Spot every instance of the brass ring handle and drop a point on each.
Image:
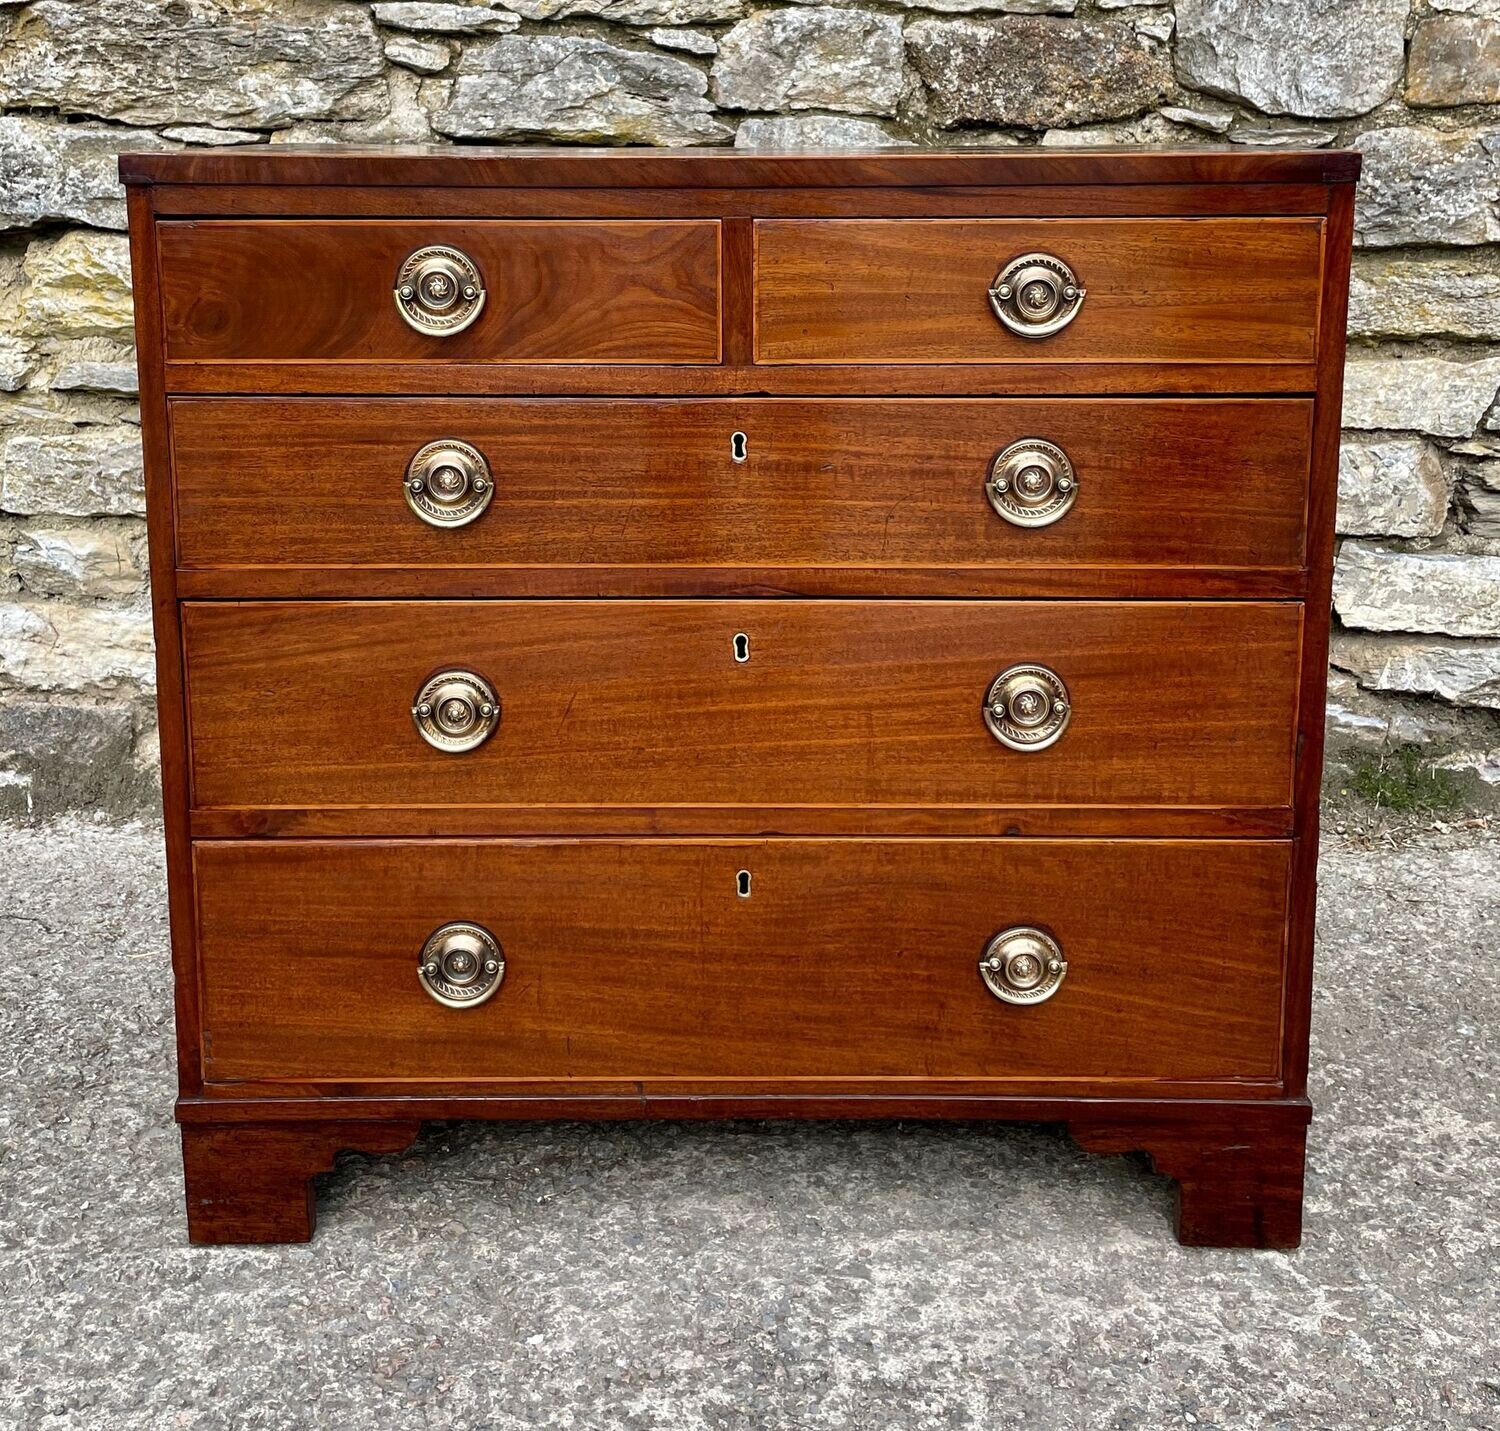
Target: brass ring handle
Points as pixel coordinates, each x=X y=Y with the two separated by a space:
x=439 y=291
x=1027 y=707
x=461 y=965
x=1023 y=966
x=1032 y=483
x=448 y=483
x=456 y=711
x=1036 y=295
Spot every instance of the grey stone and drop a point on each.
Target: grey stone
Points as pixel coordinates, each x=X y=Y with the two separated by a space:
x=1378 y=588
x=1321 y=59
x=793 y=1277
x=692 y=42
x=94 y=365
x=56 y=646
x=1000 y=7
x=1421 y=186
x=1147 y=129
x=426 y=57
x=1438 y=396
x=1467 y=7
x=819 y=57
x=445 y=19
x=1211 y=121
x=253 y=63
x=1391 y=487
x=92 y=471
x=1277 y=136
x=78 y=286
x=98 y=560
x=1479 y=495
x=1035 y=73
x=403 y=121
x=815 y=131
x=1454 y=59
x=63 y=757
x=53 y=172
x=206 y=134
x=1464 y=673
x=1435 y=295
x=577 y=87
x=633 y=12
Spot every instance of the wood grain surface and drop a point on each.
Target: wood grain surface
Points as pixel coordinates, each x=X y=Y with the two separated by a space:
x=917 y=291
x=885 y=485
x=601 y=292
x=850 y=960
x=619 y=703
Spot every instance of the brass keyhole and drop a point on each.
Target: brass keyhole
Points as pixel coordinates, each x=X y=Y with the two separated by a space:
x=742 y=884
x=741 y=648
x=739 y=447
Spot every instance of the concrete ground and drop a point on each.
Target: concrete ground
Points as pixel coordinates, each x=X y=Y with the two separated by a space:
x=770 y=1276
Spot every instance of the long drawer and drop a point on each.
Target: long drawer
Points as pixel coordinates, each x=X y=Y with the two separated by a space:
x=595 y=483
x=746 y=703
x=1151 y=290
x=790 y=959
x=628 y=291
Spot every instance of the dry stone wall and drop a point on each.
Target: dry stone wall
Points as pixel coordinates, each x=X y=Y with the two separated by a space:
x=1415 y=84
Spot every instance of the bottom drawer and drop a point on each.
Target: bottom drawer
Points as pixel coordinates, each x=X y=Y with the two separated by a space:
x=756 y=960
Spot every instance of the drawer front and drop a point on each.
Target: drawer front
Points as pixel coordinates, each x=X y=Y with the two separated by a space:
x=1200 y=483
x=638 y=960
x=647 y=703
x=1155 y=290
x=590 y=292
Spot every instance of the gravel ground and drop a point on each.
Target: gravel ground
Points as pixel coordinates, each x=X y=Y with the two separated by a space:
x=776 y=1276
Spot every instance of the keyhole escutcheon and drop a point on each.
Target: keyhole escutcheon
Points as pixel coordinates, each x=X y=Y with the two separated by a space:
x=742 y=884
x=739 y=446
x=741 y=647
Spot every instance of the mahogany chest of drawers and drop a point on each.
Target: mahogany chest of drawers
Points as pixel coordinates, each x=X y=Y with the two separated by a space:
x=696 y=634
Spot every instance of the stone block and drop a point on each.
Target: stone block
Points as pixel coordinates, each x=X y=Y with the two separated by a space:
x=261 y=64
x=1463 y=673
x=1393 y=487
x=78 y=286
x=90 y=471
x=819 y=57
x=577 y=87
x=1439 y=396
x=1035 y=73
x=814 y=131
x=57 y=758
x=1454 y=59
x=56 y=646
x=1420 y=186
x=101 y=559
x=1432 y=295
x=1320 y=59
x=51 y=172
x=1377 y=588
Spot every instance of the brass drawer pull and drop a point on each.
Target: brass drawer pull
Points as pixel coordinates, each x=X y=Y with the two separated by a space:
x=1032 y=483
x=1027 y=707
x=448 y=483
x=461 y=965
x=439 y=291
x=1036 y=295
x=456 y=711
x=1023 y=966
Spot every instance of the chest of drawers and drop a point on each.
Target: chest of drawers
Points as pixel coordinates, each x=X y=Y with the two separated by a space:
x=688 y=634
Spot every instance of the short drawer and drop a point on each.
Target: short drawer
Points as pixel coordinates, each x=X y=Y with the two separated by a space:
x=749 y=960
x=742 y=703
x=1153 y=290
x=627 y=291
x=763 y=482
